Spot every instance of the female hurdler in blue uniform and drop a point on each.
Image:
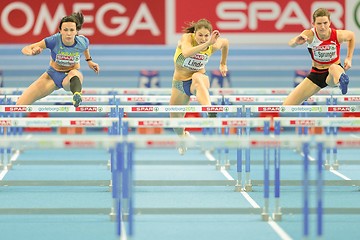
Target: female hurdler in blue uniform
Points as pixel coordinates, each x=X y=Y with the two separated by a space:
x=66 y=47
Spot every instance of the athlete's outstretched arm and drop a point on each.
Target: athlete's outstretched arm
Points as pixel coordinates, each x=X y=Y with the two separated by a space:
x=34 y=49
x=300 y=39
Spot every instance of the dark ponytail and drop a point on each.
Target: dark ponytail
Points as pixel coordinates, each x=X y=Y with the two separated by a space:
x=76 y=17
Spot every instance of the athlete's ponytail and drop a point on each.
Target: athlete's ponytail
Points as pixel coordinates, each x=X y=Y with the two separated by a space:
x=194 y=26
x=76 y=17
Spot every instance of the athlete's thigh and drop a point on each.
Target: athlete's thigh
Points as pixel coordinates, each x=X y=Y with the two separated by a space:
x=302 y=92
x=178 y=97
x=40 y=88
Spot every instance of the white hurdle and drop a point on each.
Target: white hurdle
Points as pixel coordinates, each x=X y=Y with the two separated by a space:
x=352 y=99
x=180 y=108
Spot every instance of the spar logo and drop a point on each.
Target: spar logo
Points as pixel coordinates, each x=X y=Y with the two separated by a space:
x=234 y=123
x=89 y=109
x=136 y=99
x=268 y=109
x=245 y=99
x=352 y=99
x=262 y=143
x=348 y=143
x=303 y=122
x=279 y=91
x=215 y=109
x=89 y=99
x=144 y=109
x=80 y=144
x=155 y=123
x=18 y=109
x=341 y=109
x=160 y=143
x=5 y=123
x=83 y=123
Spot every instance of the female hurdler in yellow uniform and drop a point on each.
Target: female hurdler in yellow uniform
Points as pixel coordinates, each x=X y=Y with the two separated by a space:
x=193 y=51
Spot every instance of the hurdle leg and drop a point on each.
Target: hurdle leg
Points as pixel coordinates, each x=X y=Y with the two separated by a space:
x=319 y=190
x=238 y=186
x=125 y=186
x=239 y=161
x=277 y=215
x=2 y=150
x=248 y=184
x=335 y=164
x=306 y=191
x=227 y=133
x=328 y=150
x=265 y=213
x=328 y=132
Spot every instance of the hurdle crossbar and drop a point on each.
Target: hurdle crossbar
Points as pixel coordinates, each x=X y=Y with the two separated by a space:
x=165 y=99
x=318 y=121
x=180 y=108
x=132 y=122
x=166 y=141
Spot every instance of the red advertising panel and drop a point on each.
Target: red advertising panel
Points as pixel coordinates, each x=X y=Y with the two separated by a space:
x=106 y=21
x=257 y=16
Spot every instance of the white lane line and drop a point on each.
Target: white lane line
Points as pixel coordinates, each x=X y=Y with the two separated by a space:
x=278 y=230
x=123 y=235
x=245 y=194
x=339 y=174
x=282 y=234
x=5 y=170
x=209 y=156
x=3 y=173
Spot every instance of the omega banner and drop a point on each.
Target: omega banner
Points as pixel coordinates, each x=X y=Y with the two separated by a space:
x=161 y=21
x=106 y=21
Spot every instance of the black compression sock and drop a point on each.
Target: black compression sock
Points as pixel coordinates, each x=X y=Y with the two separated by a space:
x=75 y=84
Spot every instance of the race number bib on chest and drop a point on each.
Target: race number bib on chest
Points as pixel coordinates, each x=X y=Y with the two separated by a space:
x=325 y=53
x=196 y=62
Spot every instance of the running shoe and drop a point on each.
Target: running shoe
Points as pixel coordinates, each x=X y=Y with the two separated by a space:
x=77 y=99
x=212 y=114
x=343 y=83
x=182 y=149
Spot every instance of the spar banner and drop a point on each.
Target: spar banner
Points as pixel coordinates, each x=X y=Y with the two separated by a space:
x=106 y=21
x=161 y=21
x=258 y=21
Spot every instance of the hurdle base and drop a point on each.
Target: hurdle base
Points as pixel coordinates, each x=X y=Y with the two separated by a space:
x=227 y=166
x=217 y=166
x=110 y=186
x=335 y=166
x=265 y=216
x=108 y=165
x=327 y=166
x=9 y=166
x=238 y=188
x=277 y=216
x=125 y=217
x=248 y=187
x=112 y=215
